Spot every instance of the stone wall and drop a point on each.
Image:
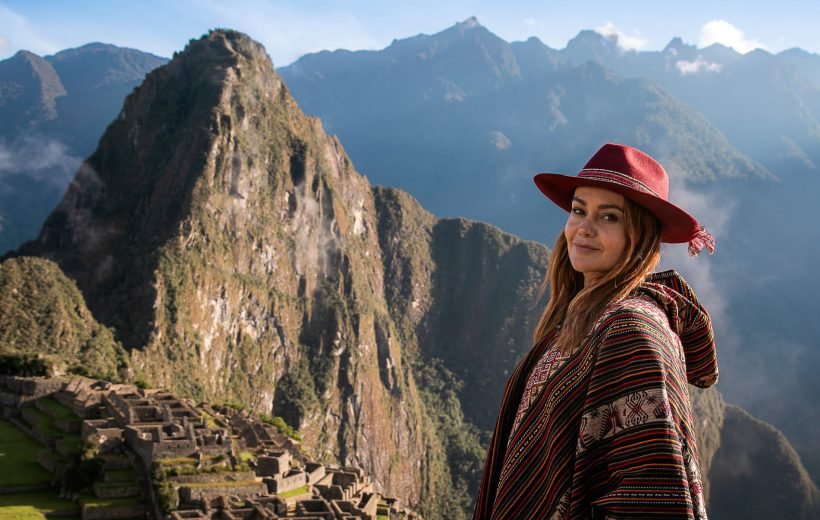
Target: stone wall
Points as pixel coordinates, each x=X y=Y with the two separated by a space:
x=117 y=491
x=189 y=494
x=315 y=472
x=369 y=504
x=106 y=427
x=33 y=387
x=214 y=477
x=315 y=508
x=272 y=464
x=284 y=483
x=118 y=408
x=113 y=512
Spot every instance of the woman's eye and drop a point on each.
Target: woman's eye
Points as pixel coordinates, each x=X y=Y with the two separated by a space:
x=610 y=218
x=577 y=211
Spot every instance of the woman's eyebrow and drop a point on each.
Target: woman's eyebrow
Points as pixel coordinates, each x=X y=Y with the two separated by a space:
x=581 y=201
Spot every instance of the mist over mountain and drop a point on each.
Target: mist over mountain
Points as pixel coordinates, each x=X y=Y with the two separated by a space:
x=231 y=245
x=475 y=117
x=53 y=110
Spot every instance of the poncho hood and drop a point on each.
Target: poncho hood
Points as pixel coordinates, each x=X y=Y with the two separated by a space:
x=690 y=321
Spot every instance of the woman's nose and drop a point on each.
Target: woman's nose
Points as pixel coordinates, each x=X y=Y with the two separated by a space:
x=586 y=227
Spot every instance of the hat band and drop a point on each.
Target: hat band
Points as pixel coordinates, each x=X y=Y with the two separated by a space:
x=599 y=174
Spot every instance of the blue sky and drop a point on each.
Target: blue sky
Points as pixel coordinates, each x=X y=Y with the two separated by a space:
x=290 y=28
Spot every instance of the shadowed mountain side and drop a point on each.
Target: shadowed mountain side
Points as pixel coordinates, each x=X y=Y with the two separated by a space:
x=467 y=291
x=46 y=327
x=757 y=474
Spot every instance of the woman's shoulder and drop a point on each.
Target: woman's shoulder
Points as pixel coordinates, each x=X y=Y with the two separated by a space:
x=637 y=311
x=637 y=303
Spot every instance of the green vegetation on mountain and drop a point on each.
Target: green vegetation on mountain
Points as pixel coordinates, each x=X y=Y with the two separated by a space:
x=46 y=326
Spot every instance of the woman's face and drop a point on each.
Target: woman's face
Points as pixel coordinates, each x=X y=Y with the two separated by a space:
x=595 y=232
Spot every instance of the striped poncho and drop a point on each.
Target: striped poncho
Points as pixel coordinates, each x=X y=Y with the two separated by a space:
x=610 y=433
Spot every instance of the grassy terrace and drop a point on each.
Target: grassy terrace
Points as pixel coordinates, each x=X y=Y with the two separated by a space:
x=18 y=458
x=92 y=501
x=42 y=422
x=246 y=456
x=57 y=408
x=175 y=461
x=18 y=467
x=294 y=492
x=31 y=506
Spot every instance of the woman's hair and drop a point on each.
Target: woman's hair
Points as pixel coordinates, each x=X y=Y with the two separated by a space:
x=575 y=308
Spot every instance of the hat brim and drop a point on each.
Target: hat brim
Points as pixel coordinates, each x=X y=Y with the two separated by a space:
x=677 y=226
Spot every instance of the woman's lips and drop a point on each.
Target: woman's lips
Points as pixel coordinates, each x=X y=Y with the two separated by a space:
x=585 y=247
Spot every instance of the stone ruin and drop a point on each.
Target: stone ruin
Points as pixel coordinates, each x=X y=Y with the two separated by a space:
x=212 y=462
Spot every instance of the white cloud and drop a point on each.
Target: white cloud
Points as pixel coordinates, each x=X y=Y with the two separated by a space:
x=625 y=42
x=529 y=22
x=19 y=34
x=697 y=66
x=724 y=33
x=37 y=157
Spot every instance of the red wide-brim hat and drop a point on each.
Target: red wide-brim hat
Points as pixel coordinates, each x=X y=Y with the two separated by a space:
x=638 y=177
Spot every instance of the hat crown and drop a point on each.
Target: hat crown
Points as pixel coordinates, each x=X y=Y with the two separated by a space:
x=631 y=166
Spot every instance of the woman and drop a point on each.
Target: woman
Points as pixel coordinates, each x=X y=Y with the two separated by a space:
x=596 y=420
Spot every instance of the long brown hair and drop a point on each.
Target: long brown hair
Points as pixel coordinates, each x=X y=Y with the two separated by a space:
x=574 y=308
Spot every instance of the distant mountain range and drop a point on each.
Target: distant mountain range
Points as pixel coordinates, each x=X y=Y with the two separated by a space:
x=53 y=111
x=209 y=222
x=463 y=119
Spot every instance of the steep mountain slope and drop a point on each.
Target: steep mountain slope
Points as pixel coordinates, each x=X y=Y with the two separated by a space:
x=52 y=112
x=29 y=88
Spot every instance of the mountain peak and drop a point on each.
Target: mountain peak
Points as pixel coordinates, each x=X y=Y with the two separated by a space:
x=593 y=46
x=228 y=40
x=470 y=23
x=677 y=47
x=34 y=84
x=588 y=36
x=193 y=103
